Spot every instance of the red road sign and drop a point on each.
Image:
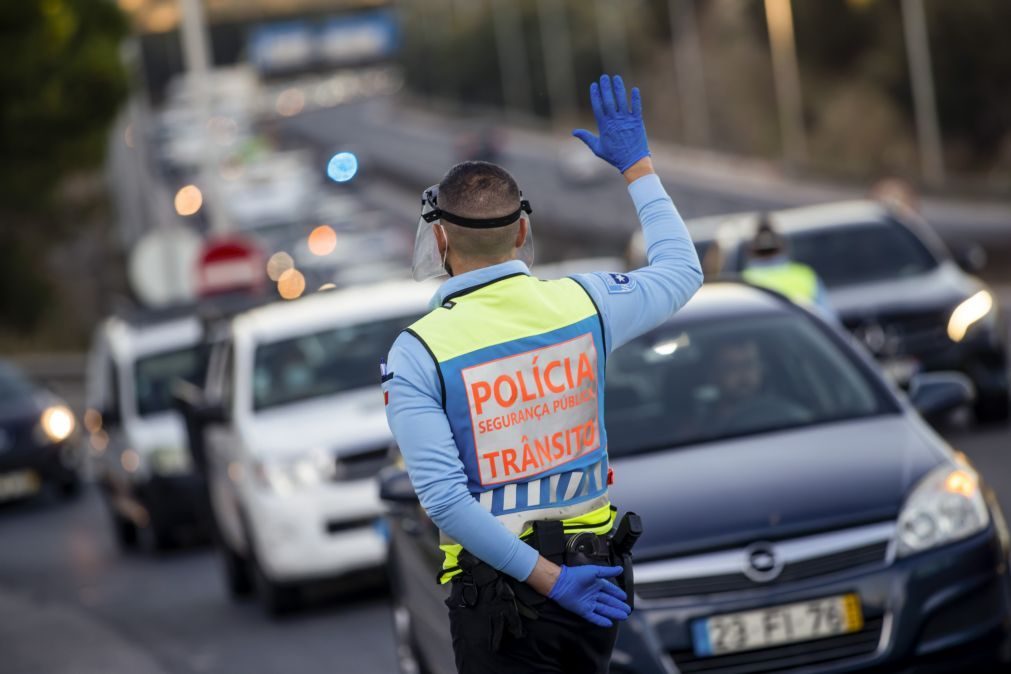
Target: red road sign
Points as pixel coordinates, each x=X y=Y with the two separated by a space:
x=230 y=264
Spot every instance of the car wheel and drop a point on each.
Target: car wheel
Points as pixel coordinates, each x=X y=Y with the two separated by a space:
x=238 y=574
x=408 y=660
x=70 y=488
x=125 y=532
x=993 y=409
x=277 y=599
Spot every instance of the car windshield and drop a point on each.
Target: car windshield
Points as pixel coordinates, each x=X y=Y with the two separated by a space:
x=154 y=375
x=730 y=378
x=862 y=253
x=323 y=363
x=13 y=384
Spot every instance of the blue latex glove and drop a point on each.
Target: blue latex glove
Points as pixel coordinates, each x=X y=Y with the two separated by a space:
x=622 y=140
x=585 y=591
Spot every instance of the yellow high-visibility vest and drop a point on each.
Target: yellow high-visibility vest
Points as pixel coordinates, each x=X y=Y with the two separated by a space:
x=795 y=280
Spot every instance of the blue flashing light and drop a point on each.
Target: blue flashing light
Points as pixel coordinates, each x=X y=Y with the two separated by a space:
x=342 y=167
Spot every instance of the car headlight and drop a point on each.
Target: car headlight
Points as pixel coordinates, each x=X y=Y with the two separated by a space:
x=946 y=506
x=286 y=475
x=968 y=313
x=57 y=423
x=170 y=460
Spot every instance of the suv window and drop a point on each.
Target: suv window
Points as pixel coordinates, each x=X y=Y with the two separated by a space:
x=13 y=384
x=862 y=253
x=154 y=374
x=322 y=363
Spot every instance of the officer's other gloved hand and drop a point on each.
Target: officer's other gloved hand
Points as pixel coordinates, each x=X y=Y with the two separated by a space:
x=622 y=141
x=585 y=591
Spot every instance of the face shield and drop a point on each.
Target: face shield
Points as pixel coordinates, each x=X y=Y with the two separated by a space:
x=429 y=263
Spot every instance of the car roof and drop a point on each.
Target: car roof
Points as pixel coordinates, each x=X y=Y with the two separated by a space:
x=729 y=298
x=805 y=218
x=334 y=307
x=132 y=340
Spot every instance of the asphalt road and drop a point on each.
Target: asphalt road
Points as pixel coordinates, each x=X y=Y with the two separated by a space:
x=170 y=614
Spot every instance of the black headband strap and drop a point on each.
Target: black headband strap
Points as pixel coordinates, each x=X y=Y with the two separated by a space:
x=481 y=223
x=478 y=223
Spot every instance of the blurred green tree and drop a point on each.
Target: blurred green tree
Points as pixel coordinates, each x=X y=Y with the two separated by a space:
x=63 y=82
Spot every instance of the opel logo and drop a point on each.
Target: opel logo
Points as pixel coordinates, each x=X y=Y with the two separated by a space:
x=761 y=564
x=873 y=335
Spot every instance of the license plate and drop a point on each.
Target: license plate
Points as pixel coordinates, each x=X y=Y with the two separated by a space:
x=803 y=621
x=16 y=485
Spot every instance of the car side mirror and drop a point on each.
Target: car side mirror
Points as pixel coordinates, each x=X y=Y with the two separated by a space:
x=189 y=399
x=971 y=257
x=395 y=486
x=935 y=394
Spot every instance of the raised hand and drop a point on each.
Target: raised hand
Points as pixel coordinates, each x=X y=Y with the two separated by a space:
x=622 y=140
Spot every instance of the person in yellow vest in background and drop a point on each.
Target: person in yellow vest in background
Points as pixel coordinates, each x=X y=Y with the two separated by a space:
x=770 y=266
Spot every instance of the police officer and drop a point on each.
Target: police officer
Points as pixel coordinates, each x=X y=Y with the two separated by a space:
x=769 y=266
x=496 y=401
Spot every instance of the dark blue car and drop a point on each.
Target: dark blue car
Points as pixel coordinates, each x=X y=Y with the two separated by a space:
x=799 y=513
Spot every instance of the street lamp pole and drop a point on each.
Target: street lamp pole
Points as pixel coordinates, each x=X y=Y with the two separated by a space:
x=196 y=56
x=689 y=70
x=928 y=128
x=557 y=50
x=510 y=41
x=611 y=34
x=786 y=78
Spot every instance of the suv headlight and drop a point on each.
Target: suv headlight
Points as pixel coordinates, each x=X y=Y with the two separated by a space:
x=968 y=313
x=946 y=506
x=286 y=475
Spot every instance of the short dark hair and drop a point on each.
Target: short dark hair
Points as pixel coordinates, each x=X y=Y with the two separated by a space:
x=767 y=241
x=480 y=189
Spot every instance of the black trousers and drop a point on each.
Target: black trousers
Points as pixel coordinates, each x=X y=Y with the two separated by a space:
x=556 y=642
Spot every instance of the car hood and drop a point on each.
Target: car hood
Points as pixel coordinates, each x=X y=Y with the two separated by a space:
x=344 y=424
x=773 y=485
x=940 y=289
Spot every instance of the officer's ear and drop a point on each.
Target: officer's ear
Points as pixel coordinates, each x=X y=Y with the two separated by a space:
x=522 y=232
x=441 y=240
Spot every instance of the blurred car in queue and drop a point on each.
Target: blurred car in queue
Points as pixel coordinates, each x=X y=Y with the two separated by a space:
x=138 y=441
x=295 y=431
x=894 y=285
x=799 y=515
x=38 y=438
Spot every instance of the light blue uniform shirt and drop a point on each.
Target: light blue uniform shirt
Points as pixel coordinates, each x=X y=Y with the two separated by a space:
x=630 y=304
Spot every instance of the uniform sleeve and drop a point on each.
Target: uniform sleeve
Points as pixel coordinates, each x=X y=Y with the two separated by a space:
x=421 y=429
x=635 y=302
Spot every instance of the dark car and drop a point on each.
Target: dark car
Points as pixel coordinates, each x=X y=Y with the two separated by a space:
x=799 y=514
x=38 y=438
x=894 y=285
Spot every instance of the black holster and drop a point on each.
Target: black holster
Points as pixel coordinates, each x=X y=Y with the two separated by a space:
x=493 y=596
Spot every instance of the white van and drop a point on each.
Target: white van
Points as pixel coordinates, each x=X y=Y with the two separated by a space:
x=295 y=432
x=137 y=439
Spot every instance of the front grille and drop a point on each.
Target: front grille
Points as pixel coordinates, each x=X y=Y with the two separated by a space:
x=788 y=657
x=339 y=526
x=733 y=582
x=360 y=466
x=904 y=334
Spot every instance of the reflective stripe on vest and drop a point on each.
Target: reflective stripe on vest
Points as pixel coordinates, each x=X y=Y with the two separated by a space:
x=521 y=363
x=794 y=280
